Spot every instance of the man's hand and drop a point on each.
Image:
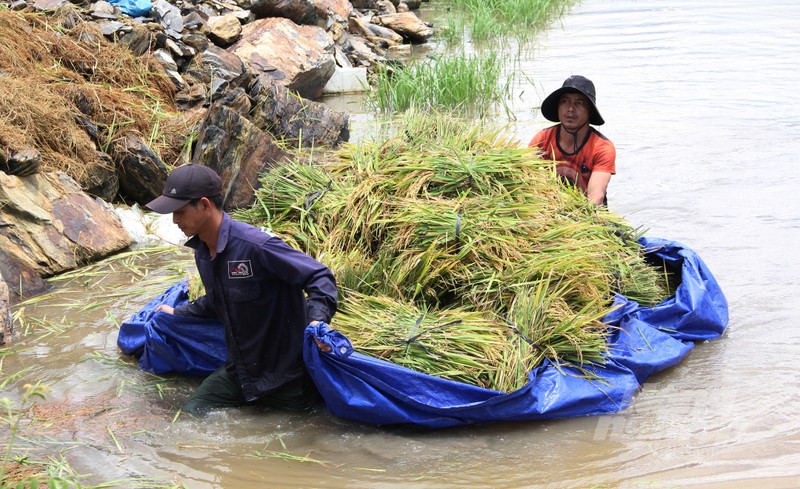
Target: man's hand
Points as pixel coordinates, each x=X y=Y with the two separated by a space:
x=324 y=348
x=165 y=308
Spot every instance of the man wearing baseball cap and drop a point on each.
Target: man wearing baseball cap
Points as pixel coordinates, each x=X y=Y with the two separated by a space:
x=261 y=289
x=585 y=158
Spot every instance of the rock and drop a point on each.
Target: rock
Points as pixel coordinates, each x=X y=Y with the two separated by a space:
x=101 y=179
x=138 y=40
x=303 y=12
x=165 y=59
x=141 y=172
x=103 y=8
x=302 y=56
x=22 y=280
x=239 y=151
x=49 y=225
x=365 y=4
x=359 y=26
x=298 y=11
x=23 y=163
x=340 y=10
x=192 y=95
x=385 y=33
x=224 y=30
x=47 y=5
x=169 y=16
x=288 y=117
x=217 y=69
x=238 y=100
x=198 y=42
x=407 y=24
x=348 y=80
x=358 y=48
x=386 y=7
x=5 y=314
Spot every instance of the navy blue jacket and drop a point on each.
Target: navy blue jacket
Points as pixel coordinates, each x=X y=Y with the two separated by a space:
x=257 y=285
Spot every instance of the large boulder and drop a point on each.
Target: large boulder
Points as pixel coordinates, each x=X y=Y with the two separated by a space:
x=49 y=225
x=407 y=24
x=141 y=171
x=23 y=280
x=287 y=116
x=216 y=71
x=299 y=57
x=239 y=151
x=308 y=12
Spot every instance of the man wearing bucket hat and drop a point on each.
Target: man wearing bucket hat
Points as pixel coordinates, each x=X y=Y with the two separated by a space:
x=585 y=158
x=262 y=290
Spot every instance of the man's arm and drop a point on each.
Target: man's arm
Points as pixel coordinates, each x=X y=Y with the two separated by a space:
x=199 y=308
x=296 y=267
x=598 y=184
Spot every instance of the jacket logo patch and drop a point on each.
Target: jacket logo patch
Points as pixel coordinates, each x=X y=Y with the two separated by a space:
x=239 y=269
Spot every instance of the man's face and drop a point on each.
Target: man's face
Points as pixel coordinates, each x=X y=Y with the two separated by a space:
x=191 y=218
x=574 y=110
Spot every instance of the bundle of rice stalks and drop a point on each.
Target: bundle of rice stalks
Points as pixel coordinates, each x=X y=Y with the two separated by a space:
x=453 y=224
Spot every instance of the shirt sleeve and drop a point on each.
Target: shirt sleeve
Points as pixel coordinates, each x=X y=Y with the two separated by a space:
x=605 y=158
x=297 y=268
x=200 y=307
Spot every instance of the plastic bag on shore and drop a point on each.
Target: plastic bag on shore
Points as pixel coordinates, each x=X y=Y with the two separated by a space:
x=134 y=8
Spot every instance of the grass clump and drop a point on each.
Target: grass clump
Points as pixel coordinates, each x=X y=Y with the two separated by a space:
x=457 y=252
x=494 y=19
x=445 y=83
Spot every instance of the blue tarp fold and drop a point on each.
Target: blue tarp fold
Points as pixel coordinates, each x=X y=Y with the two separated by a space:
x=355 y=386
x=168 y=343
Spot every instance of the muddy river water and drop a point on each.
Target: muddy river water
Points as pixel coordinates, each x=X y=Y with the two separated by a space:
x=702 y=100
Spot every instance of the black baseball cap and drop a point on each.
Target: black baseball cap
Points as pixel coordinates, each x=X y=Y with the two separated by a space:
x=184 y=184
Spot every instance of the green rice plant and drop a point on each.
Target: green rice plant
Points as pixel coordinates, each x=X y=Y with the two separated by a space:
x=452 y=31
x=451 y=229
x=467 y=83
x=484 y=24
x=455 y=343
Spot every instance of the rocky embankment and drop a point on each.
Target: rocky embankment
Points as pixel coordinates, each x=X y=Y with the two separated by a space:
x=243 y=77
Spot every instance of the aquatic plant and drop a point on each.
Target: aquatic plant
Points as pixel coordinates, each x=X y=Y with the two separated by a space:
x=468 y=83
x=495 y=19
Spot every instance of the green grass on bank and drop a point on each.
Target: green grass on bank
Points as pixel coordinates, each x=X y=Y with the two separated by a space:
x=494 y=19
x=446 y=83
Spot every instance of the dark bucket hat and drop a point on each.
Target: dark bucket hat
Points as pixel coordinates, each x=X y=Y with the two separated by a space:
x=575 y=83
x=184 y=184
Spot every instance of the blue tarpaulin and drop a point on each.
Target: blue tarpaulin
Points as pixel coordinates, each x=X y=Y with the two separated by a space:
x=645 y=340
x=168 y=343
x=134 y=8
